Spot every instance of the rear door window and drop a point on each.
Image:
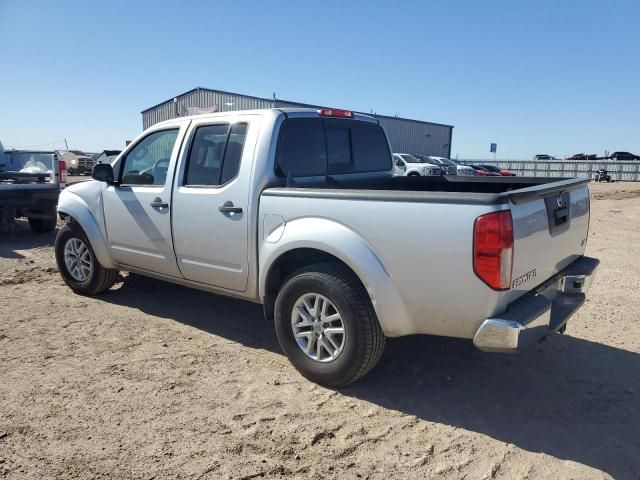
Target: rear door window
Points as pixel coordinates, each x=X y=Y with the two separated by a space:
x=327 y=146
x=233 y=154
x=215 y=154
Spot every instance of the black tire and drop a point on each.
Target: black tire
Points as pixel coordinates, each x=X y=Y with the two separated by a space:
x=413 y=174
x=100 y=278
x=43 y=225
x=363 y=339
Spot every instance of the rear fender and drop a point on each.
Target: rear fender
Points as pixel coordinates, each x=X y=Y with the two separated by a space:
x=348 y=246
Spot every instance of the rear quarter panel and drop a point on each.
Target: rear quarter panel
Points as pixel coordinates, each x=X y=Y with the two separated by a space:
x=426 y=284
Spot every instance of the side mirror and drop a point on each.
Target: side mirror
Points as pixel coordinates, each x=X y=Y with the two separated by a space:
x=103 y=172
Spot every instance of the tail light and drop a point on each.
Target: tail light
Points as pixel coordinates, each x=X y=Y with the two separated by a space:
x=493 y=249
x=62 y=166
x=334 y=112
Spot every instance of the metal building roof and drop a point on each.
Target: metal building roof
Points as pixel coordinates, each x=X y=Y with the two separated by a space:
x=293 y=103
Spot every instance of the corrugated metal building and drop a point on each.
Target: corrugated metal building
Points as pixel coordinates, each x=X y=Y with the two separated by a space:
x=405 y=135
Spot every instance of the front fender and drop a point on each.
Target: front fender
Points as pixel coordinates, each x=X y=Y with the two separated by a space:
x=345 y=244
x=72 y=204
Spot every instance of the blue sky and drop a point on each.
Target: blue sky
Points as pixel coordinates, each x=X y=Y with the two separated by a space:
x=555 y=77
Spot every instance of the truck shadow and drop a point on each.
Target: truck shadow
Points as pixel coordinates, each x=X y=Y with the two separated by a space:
x=569 y=398
x=22 y=238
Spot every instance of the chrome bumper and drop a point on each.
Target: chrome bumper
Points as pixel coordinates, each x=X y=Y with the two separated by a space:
x=540 y=312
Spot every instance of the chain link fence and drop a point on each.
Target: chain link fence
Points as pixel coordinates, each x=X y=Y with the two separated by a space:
x=619 y=171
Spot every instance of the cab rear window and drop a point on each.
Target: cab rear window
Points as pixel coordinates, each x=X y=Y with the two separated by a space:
x=310 y=147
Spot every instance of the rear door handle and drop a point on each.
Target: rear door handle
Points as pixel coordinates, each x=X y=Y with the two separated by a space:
x=158 y=203
x=227 y=207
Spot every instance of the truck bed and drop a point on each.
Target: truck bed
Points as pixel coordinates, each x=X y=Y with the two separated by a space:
x=421 y=230
x=445 y=189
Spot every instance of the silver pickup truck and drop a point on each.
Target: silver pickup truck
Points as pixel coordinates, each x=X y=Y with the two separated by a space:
x=297 y=209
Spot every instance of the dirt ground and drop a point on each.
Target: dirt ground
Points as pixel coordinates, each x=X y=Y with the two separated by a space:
x=158 y=381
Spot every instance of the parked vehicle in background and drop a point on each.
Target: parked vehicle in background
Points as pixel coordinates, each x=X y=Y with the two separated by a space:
x=484 y=172
x=544 y=156
x=410 y=166
x=77 y=163
x=583 y=156
x=107 y=156
x=84 y=165
x=624 y=156
x=465 y=169
x=446 y=165
x=499 y=171
x=602 y=175
x=30 y=183
x=445 y=168
x=298 y=209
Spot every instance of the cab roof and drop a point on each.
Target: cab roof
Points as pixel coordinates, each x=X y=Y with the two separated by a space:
x=288 y=111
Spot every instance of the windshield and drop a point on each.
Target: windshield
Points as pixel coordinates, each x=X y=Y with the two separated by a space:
x=28 y=162
x=410 y=158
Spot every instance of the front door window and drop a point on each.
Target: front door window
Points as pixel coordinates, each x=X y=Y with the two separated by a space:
x=147 y=163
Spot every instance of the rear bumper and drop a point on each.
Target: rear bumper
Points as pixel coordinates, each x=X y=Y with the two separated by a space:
x=540 y=312
x=28 y=197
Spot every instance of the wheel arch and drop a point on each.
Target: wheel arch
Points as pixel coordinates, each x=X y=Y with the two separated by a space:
x=313 y=240
x=73 y=208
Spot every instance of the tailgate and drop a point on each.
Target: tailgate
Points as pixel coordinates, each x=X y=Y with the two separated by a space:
x=28 y=195
x=550 y=228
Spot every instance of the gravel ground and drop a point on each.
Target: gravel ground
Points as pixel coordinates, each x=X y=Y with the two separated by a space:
x=152 y=380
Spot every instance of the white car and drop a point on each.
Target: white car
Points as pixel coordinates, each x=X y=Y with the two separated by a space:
x=407 y=165
x=460 y=169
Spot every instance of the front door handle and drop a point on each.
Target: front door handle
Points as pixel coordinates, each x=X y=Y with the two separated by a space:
x=158 y=203
x=227 y=207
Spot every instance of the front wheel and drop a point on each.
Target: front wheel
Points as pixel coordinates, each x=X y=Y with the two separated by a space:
x=78 y=264
x=326 y=325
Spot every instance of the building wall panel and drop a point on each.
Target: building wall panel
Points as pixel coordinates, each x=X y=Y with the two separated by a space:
x=405 y=135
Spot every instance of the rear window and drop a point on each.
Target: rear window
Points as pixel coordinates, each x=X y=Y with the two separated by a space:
x=28 y=162
x=328 y=146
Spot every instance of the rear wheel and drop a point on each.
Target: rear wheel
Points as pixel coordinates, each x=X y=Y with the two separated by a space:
x=78 y=264
x=44 y=225
x=326 y=325
x=413 y=174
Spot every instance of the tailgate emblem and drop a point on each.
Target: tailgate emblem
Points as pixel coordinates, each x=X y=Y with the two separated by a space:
x=518 y=282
